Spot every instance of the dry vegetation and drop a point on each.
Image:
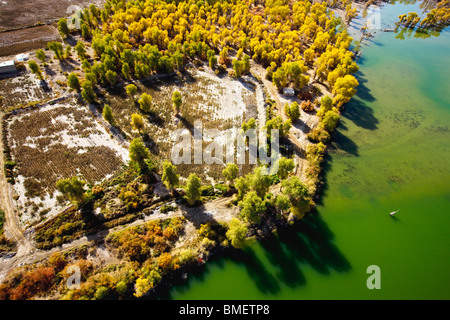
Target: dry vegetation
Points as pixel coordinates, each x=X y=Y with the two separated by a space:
x=25 y=89
x=218 y=102
x=57 y=142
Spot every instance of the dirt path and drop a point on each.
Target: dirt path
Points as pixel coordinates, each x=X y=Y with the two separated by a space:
x=13 y=229
x=215 y=210
x=297 y=134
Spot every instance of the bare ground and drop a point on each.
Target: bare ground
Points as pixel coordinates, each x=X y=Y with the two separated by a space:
x=19 y=13
x=23 y=40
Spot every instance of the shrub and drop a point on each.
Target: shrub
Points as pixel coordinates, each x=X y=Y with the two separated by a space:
x=292 y=111
x=318 y=134
x=97 y=192
x=222 y=188
x=129 y=198
x=192 y=188
x=207 y=190
x=237 y=233
x=307 y=106
x=167 y=208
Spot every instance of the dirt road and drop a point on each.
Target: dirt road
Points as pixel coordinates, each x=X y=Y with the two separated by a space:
x=12 y=230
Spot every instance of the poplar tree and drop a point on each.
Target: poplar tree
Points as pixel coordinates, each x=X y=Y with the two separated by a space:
x=192 y=188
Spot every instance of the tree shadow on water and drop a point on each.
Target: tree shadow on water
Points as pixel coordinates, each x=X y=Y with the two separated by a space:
x=357 y=109
x=362 y=90
x=311 y=241
x=360 y=114
x=282 y=258
x=308 y=242
x=264 y=280
x=342 y=143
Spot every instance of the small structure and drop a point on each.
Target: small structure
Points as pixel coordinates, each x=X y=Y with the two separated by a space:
x=7 y=66
x=22 y=57
x=289 y=92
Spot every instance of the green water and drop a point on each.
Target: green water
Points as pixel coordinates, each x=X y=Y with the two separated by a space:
x=391 y=152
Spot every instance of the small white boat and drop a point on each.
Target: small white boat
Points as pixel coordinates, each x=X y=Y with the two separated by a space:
x=394 y=212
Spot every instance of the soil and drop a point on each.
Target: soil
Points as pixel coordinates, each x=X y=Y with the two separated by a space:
x=18 y=41
x=19 y=13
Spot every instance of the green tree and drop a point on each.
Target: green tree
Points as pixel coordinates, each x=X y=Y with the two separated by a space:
x=122 y=288
x=242 y=185
x=131 y=90
x=212 y=60
x=40 y=54
x=137 y=122
x=81 y=51
x=292 y=111
x=68 y=51
x=73 y=82
x=73 y=188
x=330 y=121
x=282 y=203
x=176 y=101
x=34 y=67
x=259 y=182
x=145 y=102
x=63 y=28
x=252 y=207
x=246 y=64
x=87 y=67
x=101 y=293
x=279 y=78
x=192 y=188
x=326 y=104
x=230 y=172
x=85 y=32
x=57 y=48
x=250 y=124
x=94 y=11
x=87 y=91
x=126 y=71
x=294 y=72
x=277 y=123
x=236 y=233
x=107 y=113
x=111 y=77
x=285 y=167
x=139 y=154
x=169 y=177
x=298 y=195
x=237 y=67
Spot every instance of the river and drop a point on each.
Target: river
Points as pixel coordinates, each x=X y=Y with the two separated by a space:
x=391 y=151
